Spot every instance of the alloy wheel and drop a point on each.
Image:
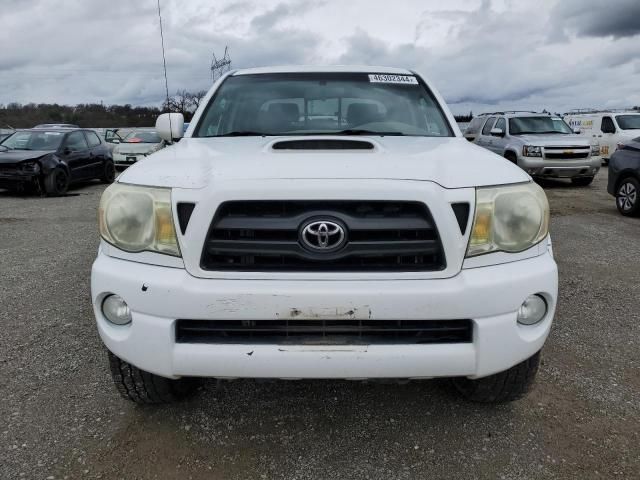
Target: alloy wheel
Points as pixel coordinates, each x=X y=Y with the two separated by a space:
x=627 y=196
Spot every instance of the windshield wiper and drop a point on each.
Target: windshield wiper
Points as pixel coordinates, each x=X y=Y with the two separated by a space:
x=362 y=131
x=349 y=131
x=240 y=133
x=528 y=132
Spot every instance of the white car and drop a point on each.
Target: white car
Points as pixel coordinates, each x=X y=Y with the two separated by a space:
x=138 y=144
x=608 y=128
x=323 y=222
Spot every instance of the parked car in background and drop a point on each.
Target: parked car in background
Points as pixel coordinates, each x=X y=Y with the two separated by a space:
x=138 y=144
x=473 y=129
x=49 y=159
x=109 y=136
x=624 y=177
x=323 y=222
x=608 y=128
x=541 y=144
x=56 y=125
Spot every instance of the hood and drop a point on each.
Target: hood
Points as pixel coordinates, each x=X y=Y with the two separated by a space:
x=15 y=156
x=452 y=162
x=137 y=148
x=555 y=140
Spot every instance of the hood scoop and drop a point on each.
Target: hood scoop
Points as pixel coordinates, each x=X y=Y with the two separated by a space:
x=322 y=144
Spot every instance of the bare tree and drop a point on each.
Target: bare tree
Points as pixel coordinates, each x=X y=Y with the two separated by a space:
x=184 y=102
x=196 y=98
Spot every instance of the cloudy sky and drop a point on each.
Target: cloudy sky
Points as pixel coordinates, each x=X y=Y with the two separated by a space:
x=481 y=54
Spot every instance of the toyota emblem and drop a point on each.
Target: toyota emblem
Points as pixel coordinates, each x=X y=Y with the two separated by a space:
x=324 y=235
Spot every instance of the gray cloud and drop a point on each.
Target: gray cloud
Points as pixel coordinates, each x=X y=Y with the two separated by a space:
x=597 y=18
x=480 y=56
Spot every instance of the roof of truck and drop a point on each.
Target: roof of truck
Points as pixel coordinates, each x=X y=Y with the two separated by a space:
x=324 y=69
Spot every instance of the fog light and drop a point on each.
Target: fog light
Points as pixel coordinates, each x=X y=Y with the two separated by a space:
x=532 y=310
x=116 y=310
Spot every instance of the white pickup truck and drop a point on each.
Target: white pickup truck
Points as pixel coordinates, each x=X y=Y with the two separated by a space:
x=323 y=222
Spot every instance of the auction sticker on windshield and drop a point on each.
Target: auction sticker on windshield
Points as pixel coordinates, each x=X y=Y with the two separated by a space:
x=379 y=78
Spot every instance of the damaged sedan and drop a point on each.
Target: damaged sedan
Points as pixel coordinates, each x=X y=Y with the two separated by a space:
x=47 y=161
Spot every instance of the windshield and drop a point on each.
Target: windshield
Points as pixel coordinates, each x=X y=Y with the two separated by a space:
x=42 y=140
x=142 y=136
x=538 y=125
x=628 y=122
x=323 y=103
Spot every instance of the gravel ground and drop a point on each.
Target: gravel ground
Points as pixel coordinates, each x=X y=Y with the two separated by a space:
x=60 y=416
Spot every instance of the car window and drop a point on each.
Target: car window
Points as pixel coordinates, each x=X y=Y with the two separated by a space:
x=607 y=125
x=474 y=126
x=93 y=139
x=76 y=141
x=501 y=124
x=33 y=140
x=531 y=125
x=323 y=103
x=628 y=122
x=143 y=136
x=488 y=126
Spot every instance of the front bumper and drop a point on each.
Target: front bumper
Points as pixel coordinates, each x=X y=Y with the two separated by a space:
x=489 y=296
x=542 y=167
x=14 y=179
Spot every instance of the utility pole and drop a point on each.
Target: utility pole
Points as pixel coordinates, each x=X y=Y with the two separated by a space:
x=220 y=66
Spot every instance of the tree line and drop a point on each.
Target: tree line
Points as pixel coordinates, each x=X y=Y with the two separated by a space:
x=16 y=115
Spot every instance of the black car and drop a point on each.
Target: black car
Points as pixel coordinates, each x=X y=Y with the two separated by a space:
x=624 y=177
x=48 y=160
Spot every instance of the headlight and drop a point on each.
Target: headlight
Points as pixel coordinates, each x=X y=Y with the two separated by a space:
x=137 y=219
x=595 y=150
x=30 y=167
x=509 y=219
x=531 y=151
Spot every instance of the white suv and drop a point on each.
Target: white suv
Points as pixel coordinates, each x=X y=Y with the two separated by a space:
x=323 y=223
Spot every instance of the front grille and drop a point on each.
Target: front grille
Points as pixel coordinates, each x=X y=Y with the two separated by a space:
x=380 y=236
x=566 y=153
x=567 y=156
x=324 y=332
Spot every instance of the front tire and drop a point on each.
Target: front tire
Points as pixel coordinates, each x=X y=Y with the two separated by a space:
x=502 y=387
x=582 y=181
x=628 y=197
x=56 y=182
x=108 y=172
x=146 y=388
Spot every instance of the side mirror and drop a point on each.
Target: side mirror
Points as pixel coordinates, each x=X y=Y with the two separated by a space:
x=497 y=132
x=66 y=150
x=170 y=126
x=115 y=140
x=576 y=131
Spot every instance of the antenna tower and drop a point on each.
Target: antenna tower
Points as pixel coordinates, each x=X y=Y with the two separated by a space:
x=220 y=66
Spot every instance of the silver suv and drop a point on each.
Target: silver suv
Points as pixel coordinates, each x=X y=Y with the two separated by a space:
x=540 y=143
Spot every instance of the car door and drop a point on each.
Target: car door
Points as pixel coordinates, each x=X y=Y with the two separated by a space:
x=608 y=139
x=499 y=141
x=76 y=154
x=484 y=138
x=97 y=153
